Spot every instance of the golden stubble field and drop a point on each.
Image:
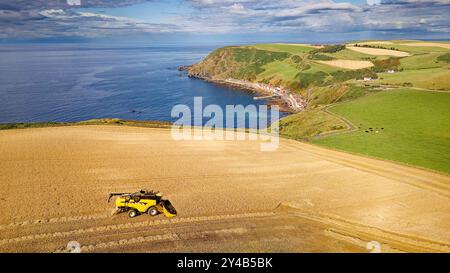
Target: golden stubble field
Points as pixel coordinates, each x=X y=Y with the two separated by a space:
x=348 y=64
x=230 y=196
x=379 y=51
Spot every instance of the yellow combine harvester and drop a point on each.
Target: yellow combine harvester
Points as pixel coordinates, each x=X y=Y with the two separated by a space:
x=143 y=201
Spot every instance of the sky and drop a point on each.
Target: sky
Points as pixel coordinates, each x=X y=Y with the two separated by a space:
x=208 y=20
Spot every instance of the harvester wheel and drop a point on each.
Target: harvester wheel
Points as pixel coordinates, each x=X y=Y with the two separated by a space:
x=132 y=213
x=152 y=211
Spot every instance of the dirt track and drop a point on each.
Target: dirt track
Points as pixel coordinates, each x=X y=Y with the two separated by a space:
x=230 y=195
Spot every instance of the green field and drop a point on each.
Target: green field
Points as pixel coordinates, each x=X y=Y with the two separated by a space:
x=408 y=126
x=431 y=78
x=427 y=68
x=309 y=123
x=421 y=61
x=293 y=49
x=348 y=54
x=282 y=70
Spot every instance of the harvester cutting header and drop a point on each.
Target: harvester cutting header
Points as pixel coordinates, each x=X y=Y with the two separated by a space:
x=143 y=201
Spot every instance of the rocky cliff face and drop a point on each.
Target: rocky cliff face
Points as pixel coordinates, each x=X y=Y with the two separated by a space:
x=217 y=64
x=235 y=62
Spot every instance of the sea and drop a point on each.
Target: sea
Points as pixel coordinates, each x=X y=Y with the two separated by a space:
x=77 y=82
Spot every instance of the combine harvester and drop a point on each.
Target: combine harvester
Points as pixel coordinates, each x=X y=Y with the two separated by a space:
x=143 y=201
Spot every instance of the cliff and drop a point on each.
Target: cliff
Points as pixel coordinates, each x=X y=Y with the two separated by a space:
x=235 y=62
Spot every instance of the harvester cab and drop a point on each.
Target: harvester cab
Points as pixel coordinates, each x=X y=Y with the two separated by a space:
x=143 y=201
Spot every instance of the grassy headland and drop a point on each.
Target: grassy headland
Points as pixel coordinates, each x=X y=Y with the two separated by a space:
x=150 y=124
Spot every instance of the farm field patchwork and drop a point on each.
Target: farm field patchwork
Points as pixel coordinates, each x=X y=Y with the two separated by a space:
x=415 y=123
x=298 y=66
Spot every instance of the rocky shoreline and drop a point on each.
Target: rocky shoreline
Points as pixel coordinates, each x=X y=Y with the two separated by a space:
x=287 y=100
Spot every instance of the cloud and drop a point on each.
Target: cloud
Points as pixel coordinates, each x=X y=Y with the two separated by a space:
x=415 y=2
x=324 y=15
x=64 y=4
x=238 y=9
x=58 y=18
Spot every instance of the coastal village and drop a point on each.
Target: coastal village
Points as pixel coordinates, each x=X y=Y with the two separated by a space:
x=293 y=100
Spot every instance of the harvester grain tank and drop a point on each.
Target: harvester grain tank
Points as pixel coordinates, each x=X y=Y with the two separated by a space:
x=143 y=202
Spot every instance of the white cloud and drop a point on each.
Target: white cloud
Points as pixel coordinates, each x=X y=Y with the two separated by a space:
x=74 y=2
x=373 y=2
x=53 y=13
x=238 y=9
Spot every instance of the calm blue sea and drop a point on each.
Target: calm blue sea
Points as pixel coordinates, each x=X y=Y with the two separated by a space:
x=57 y=82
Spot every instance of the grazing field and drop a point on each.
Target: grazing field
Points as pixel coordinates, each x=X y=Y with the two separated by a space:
x=230 y=196
x=348 y=54
x=305 y=45
x=429 y=78
x=421 y=61
x=289 y=48
x=279 y=70
x=348 y=64
x=409 y=126
x=309 y=123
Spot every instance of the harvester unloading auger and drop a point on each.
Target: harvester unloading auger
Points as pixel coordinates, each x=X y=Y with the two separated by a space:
x=143 y=201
